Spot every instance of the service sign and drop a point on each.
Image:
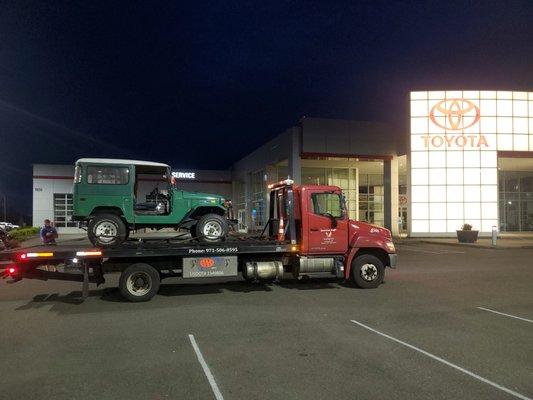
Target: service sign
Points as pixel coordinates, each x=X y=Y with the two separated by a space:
x=455 y=137
x=184 y=175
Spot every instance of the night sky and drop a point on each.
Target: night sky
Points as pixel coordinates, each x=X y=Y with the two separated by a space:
x=200 y=84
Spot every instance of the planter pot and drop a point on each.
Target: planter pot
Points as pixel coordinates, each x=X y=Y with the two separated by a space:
x=467 y=236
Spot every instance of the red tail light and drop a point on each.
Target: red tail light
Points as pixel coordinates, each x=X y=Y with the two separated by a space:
x=11 y=270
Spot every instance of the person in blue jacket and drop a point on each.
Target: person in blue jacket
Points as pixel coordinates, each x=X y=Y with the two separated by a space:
x=48 y=233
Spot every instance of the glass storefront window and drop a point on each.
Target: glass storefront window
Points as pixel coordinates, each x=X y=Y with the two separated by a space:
x=360 y=180
x=258 y=200
x=516 y=201
x=371 y=198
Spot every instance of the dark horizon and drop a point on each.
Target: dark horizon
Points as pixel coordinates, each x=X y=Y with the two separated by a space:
x=200 y=86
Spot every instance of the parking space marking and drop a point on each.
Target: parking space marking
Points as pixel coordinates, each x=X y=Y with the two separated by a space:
x=205 y=367
x=449 y=364
x=507 y=315
x=415 y=249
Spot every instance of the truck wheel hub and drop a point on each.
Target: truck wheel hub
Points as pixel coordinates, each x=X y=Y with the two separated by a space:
x=369 y=272
x=212 y=229
x=139 y=283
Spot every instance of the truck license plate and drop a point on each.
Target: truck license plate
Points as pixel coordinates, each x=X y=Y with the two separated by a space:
x=207 y=267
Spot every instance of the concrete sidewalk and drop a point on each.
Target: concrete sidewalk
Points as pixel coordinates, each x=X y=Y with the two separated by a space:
x=503 y=242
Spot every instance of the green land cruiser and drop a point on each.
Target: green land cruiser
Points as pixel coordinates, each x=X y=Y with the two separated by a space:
x=113 y=197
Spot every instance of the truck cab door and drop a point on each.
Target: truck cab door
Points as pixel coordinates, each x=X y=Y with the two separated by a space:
x=327 y=223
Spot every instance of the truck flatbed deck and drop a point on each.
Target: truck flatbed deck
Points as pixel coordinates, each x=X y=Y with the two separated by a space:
x=161 y=248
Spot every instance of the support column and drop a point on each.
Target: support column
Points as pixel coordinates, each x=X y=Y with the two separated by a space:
x=295 y=165
x=391 y=189
x=271 y=174
x=248 y=200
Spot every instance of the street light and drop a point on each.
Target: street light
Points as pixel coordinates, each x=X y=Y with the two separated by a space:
x=4 y=207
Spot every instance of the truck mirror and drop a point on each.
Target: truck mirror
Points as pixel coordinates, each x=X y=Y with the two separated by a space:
x=333 y=220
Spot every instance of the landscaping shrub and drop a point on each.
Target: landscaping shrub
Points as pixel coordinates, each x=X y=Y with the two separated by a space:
x=22 y=234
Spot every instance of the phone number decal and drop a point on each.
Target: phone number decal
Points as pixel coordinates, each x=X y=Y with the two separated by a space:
x=212 y=250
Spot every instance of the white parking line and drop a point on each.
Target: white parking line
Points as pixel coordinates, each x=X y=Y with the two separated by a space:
x=507 y=315
x=449 y=364
x=207 y=371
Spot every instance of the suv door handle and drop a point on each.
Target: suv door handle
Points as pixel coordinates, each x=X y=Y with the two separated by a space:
x=313 y=229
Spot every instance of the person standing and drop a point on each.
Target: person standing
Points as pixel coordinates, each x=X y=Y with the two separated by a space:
x=48 y=233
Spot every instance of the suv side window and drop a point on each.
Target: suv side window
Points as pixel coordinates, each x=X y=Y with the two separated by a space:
x=108 y=175
x=327 y=203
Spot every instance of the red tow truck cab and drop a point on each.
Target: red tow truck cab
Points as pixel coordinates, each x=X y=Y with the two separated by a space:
x=308 y=234
x=323 y=230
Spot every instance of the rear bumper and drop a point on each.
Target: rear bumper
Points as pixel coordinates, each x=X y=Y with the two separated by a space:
x=393 y=260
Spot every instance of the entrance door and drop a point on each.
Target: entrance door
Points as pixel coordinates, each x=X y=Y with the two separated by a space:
x=327 y=224
x=516 y=196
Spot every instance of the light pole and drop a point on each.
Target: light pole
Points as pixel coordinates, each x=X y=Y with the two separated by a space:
x=4 y=207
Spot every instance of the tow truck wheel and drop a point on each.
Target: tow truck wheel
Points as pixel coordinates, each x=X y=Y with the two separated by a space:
x=367 y=271
x=106 y=230
x=211 y=228
x=139 y=282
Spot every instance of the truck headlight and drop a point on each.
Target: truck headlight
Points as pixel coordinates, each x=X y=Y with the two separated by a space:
x=390 y=246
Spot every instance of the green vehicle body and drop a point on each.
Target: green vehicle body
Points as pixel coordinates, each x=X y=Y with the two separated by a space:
x=90 y=198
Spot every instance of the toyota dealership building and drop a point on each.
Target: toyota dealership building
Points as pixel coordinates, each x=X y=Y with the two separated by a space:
x=466 y=157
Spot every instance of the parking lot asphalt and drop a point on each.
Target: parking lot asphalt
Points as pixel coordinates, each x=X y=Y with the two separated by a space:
x=444 y=325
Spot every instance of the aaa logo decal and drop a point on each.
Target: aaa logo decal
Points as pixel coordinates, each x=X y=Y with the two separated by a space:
x=206 y=263
x=459 y=113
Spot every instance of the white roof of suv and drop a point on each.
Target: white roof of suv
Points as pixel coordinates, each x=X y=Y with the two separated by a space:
x=119 y=161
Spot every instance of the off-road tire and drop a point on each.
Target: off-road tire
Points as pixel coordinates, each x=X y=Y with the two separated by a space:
x=139 y=282
x=367 y=271
x=112 y=224
x=211 y=223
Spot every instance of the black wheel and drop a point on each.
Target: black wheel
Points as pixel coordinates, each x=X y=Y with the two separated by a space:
x=107 y=230
x=367 y=271
x=211 y=228
x=139 y=282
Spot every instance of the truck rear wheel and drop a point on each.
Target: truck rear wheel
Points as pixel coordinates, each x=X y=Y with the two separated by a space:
x=106 y=230
x=368 y=271
x=139 y=282
x=211 y=228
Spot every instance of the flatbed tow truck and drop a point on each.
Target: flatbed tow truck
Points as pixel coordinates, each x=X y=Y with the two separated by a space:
x=308 y=234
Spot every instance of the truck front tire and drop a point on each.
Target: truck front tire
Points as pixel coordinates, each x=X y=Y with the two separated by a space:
x=211 y=228
x=139 y=282
x=107 y=230
x=367 y=271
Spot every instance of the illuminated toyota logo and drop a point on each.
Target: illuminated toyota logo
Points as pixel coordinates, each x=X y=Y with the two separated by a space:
x=459 y=113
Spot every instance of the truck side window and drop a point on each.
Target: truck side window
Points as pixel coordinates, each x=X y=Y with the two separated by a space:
x=327 y=203
x=107 y=175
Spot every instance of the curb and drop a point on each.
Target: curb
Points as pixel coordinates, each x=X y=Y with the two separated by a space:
x=478 y=246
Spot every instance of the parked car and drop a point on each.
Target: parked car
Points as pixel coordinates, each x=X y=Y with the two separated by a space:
x=112 y=197
x=7 y=226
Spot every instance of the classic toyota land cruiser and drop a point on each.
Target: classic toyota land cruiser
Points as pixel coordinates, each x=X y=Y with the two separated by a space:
x=113 y=197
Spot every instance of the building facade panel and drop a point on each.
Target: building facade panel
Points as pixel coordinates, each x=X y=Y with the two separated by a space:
x=454 y=145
